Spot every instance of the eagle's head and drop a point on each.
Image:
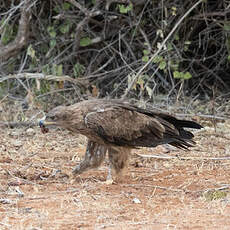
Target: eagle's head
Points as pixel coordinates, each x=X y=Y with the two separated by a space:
x=56 y=116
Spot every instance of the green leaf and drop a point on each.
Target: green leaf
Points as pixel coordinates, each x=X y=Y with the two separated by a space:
x=176 y=74
x=145 y=58
x=56 y=9
x=187 y=42
x=52 y=43
x=149 y=91
x=146 y=52
x=59 y=70
x=227 y=26
x=51 y=31
x=162 y=65
x=7 y=34
x=125 y=9
x=64 y=28
x=176 y=37
x=181 y=75
x=157 y=59
x=46 y=69
x=65 y=6
x=85 y=41
x=78 y=69
x=174 y=10
x=169 y=47
x=31 y=52
x=44 y=48
x=54 y=69
x=187 y=76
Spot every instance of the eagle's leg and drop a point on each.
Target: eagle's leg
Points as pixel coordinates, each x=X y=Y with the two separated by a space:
x=94 y=156
x=118 y=160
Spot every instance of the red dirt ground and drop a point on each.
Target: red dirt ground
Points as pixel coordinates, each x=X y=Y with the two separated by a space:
x=179 y=193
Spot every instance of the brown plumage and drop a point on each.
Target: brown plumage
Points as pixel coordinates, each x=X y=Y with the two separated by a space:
x=117 y=127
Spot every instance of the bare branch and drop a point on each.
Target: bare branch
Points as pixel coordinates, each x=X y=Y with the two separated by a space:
x=42 y=76
x=166 y=157
x=22 y=36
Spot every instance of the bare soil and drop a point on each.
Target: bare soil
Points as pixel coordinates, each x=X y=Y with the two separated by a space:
x=38 y=191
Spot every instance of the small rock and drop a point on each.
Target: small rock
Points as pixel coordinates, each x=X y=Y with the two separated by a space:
x=15 y=133
x=17 y=143
x=30 y=131
x=3 y=147
x=5 y=201
x=20 y=193
x=136 y=201
x=167 y=165
x=227 y=151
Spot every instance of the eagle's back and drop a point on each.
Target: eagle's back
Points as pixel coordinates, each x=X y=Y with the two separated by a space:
x=119 y=123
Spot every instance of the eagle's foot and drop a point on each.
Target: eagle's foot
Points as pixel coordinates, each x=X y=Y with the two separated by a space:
x=77 y=170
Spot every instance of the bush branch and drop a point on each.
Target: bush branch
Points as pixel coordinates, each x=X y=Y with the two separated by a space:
x=21 y=39
x=160 y=48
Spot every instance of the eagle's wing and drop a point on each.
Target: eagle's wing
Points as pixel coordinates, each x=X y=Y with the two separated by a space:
x=119 y=126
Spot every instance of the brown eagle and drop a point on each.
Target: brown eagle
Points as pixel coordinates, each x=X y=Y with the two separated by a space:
x=117 y=126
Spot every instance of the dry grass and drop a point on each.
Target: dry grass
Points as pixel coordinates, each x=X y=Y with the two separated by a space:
x=34 y=195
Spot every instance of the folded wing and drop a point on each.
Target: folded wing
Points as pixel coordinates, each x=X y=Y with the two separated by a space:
x=130 y=126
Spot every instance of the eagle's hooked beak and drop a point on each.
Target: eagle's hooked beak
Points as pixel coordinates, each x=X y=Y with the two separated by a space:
x=43 y=123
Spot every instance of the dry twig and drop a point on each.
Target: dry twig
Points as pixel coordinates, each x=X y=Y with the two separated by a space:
x=167 y=157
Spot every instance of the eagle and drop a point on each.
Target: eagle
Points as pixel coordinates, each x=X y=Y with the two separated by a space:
x=117 y=126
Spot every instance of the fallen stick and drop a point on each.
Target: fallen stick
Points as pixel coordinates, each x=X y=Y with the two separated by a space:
x=167 y=157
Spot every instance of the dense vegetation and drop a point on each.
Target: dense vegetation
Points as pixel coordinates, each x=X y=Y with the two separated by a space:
x=138 y=48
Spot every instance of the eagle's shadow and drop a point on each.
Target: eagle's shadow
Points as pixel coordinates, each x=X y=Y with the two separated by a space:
x=100 y=177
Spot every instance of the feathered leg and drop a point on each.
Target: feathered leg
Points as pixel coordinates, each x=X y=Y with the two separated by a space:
x=118 y=160
x=94 y=156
